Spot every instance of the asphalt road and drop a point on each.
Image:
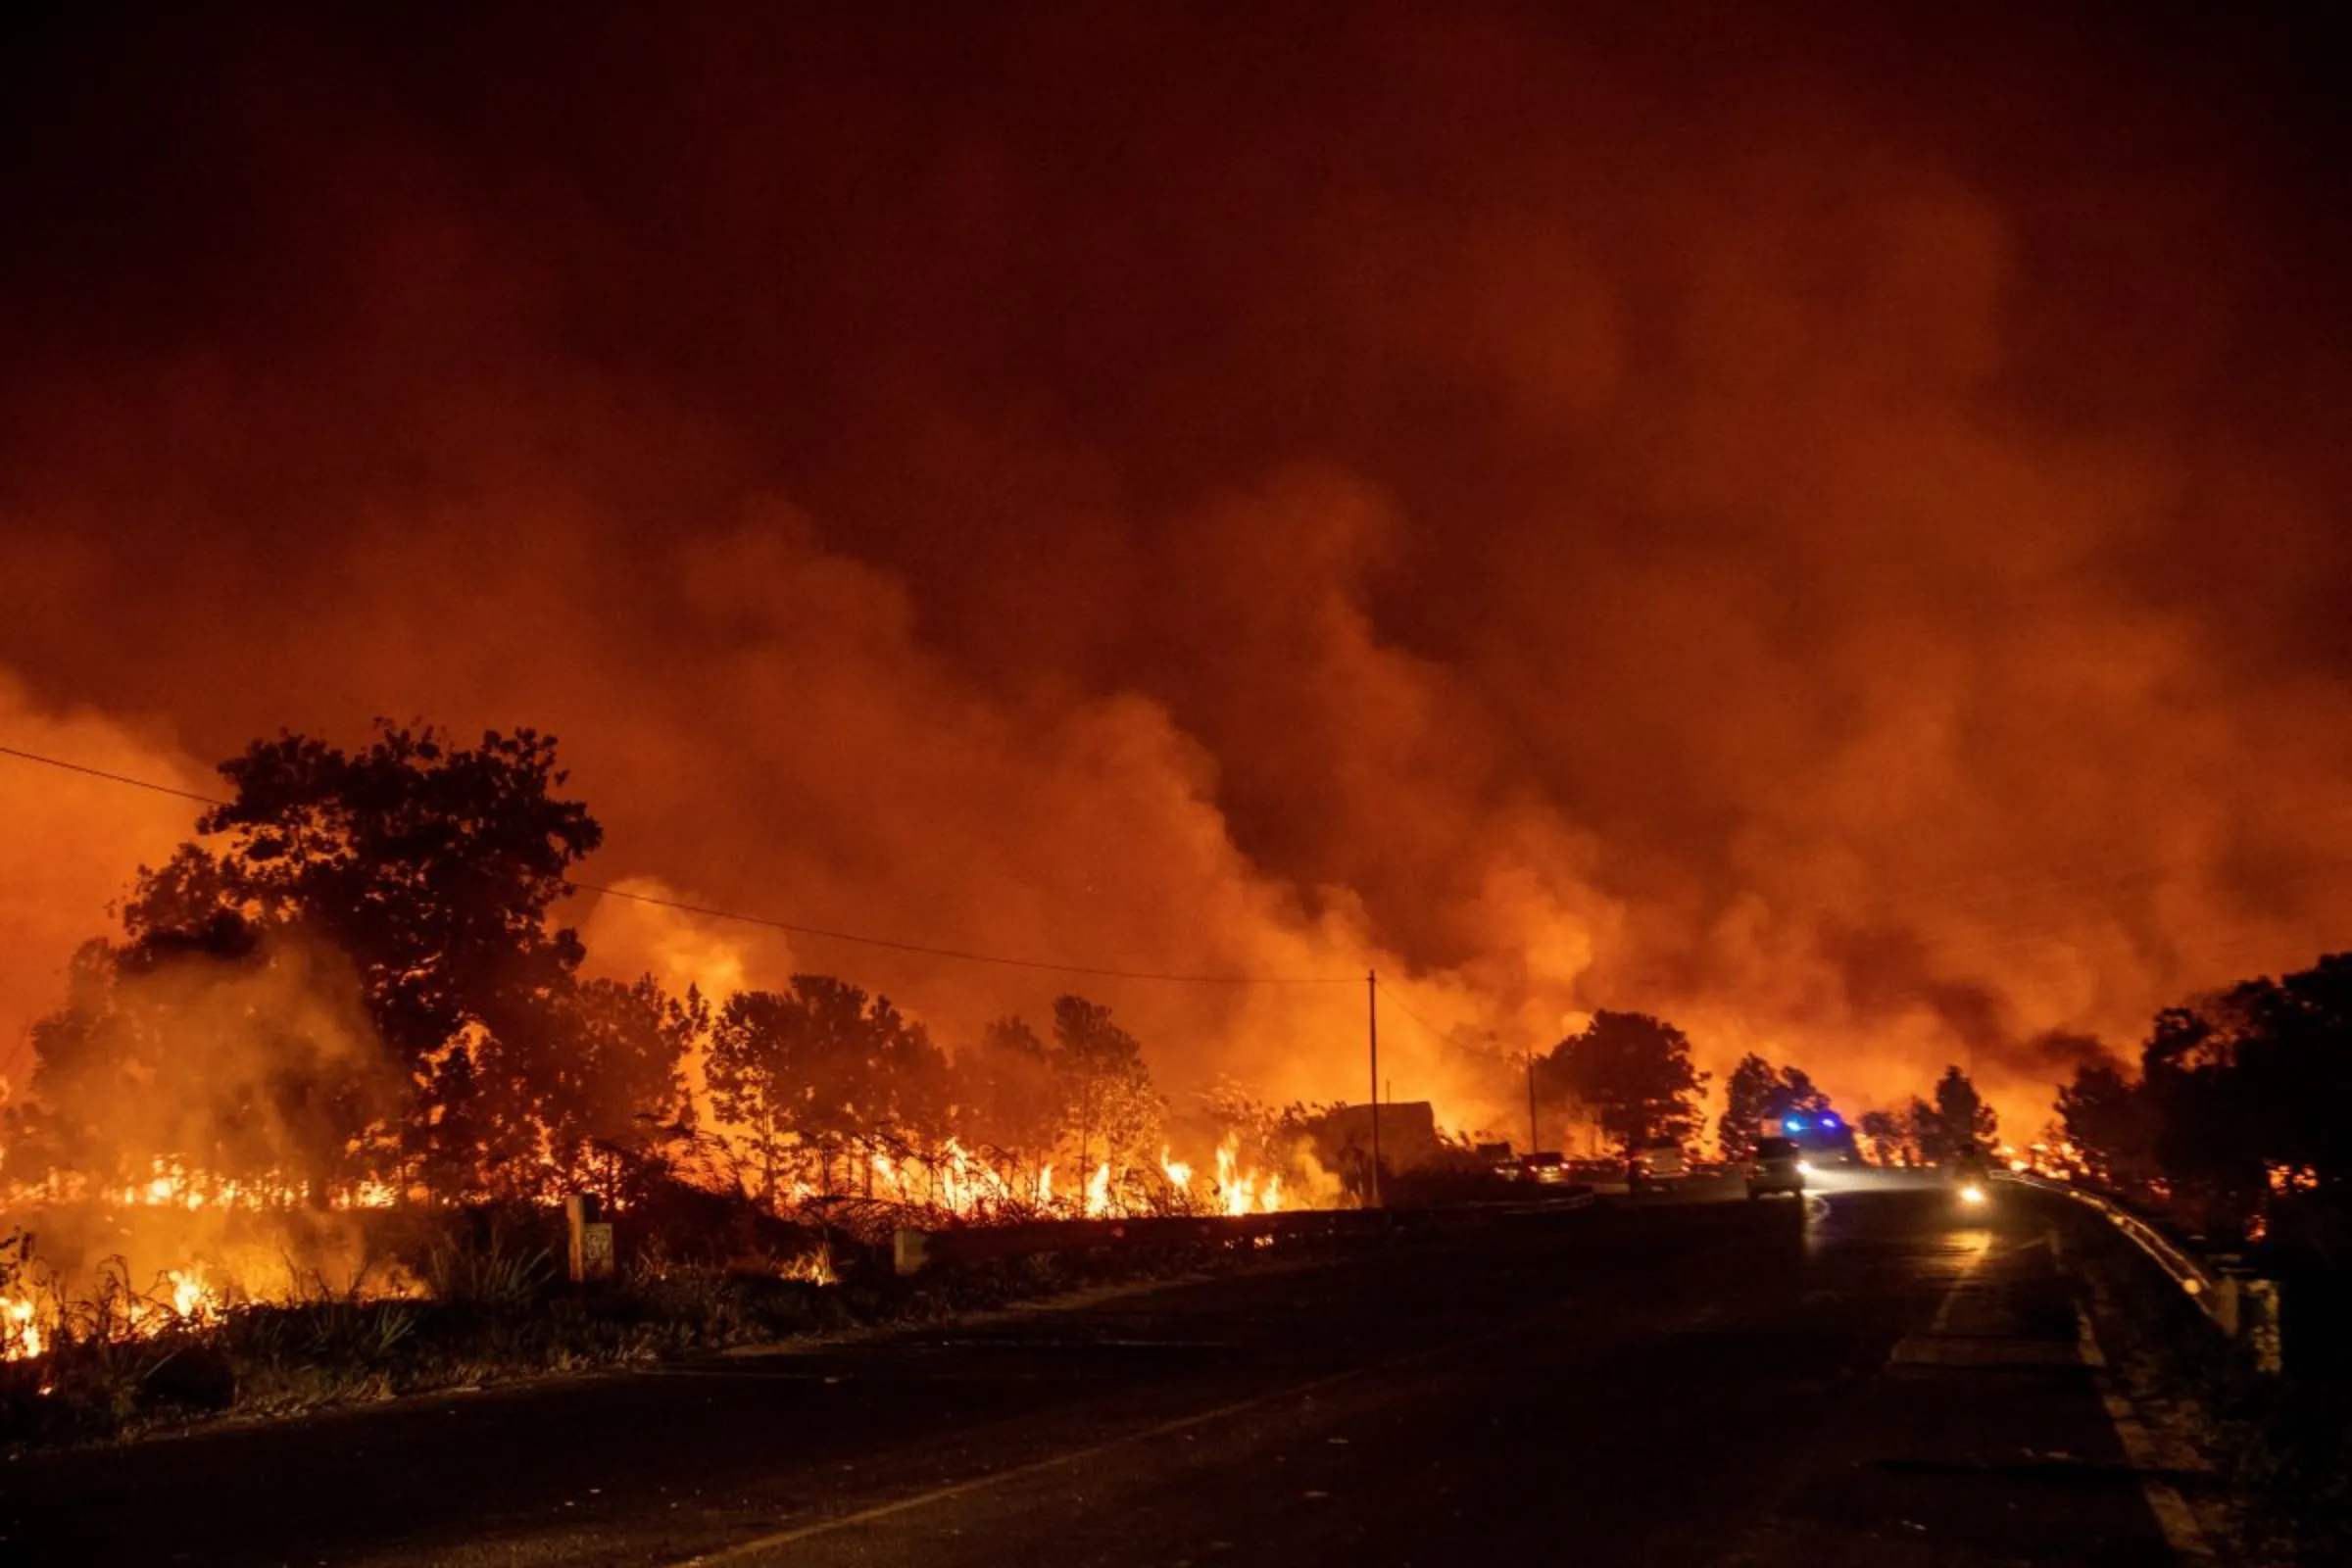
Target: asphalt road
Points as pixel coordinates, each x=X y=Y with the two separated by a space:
x=1869 y=1377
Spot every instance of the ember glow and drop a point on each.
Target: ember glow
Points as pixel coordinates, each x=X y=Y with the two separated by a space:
x=953 y=1182
x=38 y=1305
x=1823 y=529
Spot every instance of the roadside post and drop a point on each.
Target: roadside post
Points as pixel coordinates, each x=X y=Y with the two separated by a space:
x=1372 y=1033
x=589 y=1237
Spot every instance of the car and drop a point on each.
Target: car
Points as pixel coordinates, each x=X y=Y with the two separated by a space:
x=1498 y=1158
x=1969 y=1174
x=1546 y=1166
x=1775 y=1165
x=1659 y=1164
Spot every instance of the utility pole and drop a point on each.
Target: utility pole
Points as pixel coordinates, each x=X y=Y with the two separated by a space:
x=1534 y=1143
x=1372 y=1036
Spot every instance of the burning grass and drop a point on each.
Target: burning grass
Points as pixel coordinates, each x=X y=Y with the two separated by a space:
x=275 y=1310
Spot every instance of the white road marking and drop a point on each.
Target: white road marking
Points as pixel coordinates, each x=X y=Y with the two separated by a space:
x=1952 y=1298
x=745 y=1549
x=2172 y=1511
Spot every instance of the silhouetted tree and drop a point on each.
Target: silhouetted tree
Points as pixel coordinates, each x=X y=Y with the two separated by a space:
x=1011 y=1096
x=755 y=1080
x=822 y=1065
x=1924 y=1130
x=610 y=1087
x=1744 y=1095
x=429 y=869
x=1757 y=1092
x=2110 y=1121
x=1105 y=1084
x=1794 y=1093
x=2248 y=1088
x=1635 y=1072
x=1890 y=1138
x=1963 y=1120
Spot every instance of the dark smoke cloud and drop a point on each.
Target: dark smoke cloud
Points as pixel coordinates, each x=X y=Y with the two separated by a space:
x=1821 y=525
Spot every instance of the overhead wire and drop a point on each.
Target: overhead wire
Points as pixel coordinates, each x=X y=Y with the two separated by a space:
x=957 y=952
x=793 y=928
x=1435 y=1033
x=1991 y=889
x=112 y=779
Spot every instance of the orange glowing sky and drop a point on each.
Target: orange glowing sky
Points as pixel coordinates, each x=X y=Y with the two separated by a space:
x=1826 y=526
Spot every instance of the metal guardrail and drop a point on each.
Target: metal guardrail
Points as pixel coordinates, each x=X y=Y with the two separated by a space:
x=2242 y=1307
x=2188 y=1272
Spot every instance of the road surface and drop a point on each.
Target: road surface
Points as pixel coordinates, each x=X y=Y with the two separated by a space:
x=1869 y=1377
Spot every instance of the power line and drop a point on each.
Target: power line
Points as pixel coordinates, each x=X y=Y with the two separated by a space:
x=957 y=952
x=1435 y=1033
x=784 y=925
x=2029 y=941
x=111 y=778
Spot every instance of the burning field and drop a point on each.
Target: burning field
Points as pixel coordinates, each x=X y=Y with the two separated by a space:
x=1055 y=541
x=341 y=1068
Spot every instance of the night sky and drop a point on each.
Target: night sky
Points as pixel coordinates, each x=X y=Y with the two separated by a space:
x=1824 y=525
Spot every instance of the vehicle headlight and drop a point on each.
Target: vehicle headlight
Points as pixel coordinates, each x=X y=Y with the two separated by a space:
x=1805 y=1165
x=1972 y=1194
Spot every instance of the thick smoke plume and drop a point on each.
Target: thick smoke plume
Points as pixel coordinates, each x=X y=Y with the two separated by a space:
x=1815 y=525
x=200 y=1112
x=70 y=846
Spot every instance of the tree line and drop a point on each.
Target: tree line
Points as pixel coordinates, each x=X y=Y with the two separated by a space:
x=1953 y=1121
x=2235 y=1120
x=349 y=976
x=1632 y=1074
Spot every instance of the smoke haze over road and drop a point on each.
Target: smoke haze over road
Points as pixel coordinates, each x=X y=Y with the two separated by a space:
x=1824 y=526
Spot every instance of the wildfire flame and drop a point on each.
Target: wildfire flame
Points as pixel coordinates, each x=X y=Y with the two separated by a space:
x=21 y=1336
x=1245 y=1192
x=953 y=1180
x=38 y=1312
x=32 y=1314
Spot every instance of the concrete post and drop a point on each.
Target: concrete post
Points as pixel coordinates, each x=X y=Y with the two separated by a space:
x=589 y=1248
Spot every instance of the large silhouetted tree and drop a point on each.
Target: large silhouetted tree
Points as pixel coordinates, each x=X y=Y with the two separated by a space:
x=2248 y=1088
x=429 y=867
x=1963 y=1119
x=1757 y=1092
x=1635 y=1072
x=413 y=878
